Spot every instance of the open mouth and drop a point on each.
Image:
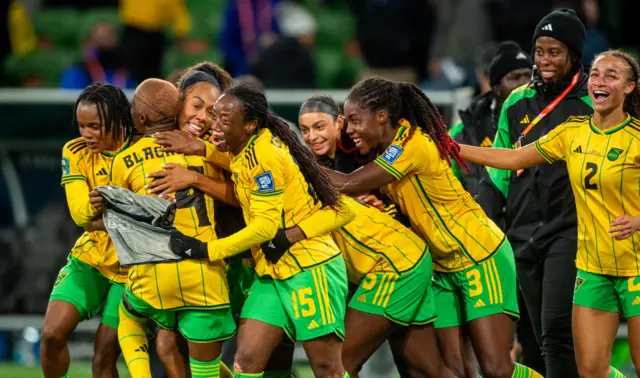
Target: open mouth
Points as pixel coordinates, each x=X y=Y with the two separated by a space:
x=600 y=95
x=218 y=141
x=546 y=74
x=194 y=129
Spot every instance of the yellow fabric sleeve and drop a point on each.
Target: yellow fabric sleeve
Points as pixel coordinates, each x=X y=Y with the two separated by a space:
x=182 y=19
x=215 y=157
x=266 y=212
x=327 y=219
x=78 y=201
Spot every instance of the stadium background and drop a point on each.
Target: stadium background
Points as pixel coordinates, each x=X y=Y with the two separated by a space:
x=35 y=121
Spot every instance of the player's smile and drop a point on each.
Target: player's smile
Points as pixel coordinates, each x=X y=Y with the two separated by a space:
x=196 y=116
x=608 y=83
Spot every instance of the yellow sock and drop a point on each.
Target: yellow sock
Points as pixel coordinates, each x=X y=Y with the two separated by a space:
x=225 y=372
x=134 y=345
x=615 y=373
x=521 y=371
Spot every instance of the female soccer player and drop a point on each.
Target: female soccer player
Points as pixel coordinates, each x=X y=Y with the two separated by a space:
x=390 y=264
x=92 y=277
x=189 y=296
x=474 y=269
x=200 y=87
x=601 y=152
x=302 y=295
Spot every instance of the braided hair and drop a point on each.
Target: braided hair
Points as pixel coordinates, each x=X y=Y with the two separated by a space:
x=113 y=108
x=407 y=101
x=632 y=100
x=255 y=108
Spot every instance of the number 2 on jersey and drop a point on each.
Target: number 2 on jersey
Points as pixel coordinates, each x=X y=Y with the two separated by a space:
x=593 y=169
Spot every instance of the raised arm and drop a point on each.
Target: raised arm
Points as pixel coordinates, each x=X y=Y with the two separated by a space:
x=361 y=181
x=322 y=222
x=502 y=158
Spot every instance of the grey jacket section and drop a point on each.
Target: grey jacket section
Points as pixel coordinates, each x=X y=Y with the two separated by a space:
x=139 y=225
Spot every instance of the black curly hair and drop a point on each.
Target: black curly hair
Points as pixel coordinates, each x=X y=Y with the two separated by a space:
x=113 y=107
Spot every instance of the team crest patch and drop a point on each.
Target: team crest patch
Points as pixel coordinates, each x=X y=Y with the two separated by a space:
x=614 y=153
x=65 y=166
x=276 y=141
x=265 y=182
x=579 y=282
x=392 y=154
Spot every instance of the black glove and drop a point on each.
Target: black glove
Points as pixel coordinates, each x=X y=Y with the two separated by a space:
x=187 y=247
x=275 y=248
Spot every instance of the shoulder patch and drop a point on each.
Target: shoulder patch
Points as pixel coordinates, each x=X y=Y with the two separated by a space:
x=276 y=141
x=392 y=153
x=66 y=169
x=265 y=182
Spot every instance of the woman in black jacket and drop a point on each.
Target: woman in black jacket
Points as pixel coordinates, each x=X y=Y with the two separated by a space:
x=537 y=204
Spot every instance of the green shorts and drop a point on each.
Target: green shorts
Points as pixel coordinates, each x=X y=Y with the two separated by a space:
x=608 y=293
x=485 y=289
x=87 y=290
x=240 y=277
x=197 y=325
x=406 y=299
x=306 y=306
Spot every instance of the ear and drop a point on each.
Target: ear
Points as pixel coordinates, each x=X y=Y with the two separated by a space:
x=630 y=88
x=340 y=122
x=382 y=117
x=142 y=119
x=250 y=127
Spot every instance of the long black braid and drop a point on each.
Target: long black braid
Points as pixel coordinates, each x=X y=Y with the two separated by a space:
x=255 y=108
x=113 y=108
x=407 y=101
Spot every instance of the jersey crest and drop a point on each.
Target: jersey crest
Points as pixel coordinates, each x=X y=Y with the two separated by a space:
x=392 y=154
x=614 y=153
x=265 y=182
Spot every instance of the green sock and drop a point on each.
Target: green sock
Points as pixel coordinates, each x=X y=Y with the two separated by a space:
x=67 y=376
x=345 y=375
x=521 y=371
x=248 y=375
x=285 y=373
x=202 y=369
x=615 y=373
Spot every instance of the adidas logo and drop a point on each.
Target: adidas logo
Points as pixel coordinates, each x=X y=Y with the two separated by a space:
x=271 y=245
x=636 y=301
x=313 y=325
x=188 y=252
x=102 y=172
x=525 y=120
x=486 y=142
x=547 y=27
x=362 y=298
x=521 y=55
x=143 y=348
x=479 y=303
x=578 y=150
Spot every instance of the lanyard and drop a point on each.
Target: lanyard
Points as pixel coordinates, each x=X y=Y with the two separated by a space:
x=544 y=112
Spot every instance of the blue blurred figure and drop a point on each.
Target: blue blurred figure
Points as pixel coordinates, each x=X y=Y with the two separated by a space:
x=99 y=63
x=249 y=27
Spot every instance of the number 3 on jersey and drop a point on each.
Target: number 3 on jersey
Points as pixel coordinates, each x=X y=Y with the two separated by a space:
x=592 y=169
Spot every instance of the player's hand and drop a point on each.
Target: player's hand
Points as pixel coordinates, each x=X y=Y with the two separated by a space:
x=180 y=142
x=372 y=200
x=97 y=201
x=187 y=247
x=624 y=226
x=275 y=248
x=95 y=225
x=174 y=177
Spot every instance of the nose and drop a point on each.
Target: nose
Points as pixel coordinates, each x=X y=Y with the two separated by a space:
x=350 y=129
x=313 y=135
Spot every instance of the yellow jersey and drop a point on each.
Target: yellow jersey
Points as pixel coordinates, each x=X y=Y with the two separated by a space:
x=273 y=194
x=81 y=172
x=604 y=169
x=372 y=242
x=187 y=283
x=458 y=232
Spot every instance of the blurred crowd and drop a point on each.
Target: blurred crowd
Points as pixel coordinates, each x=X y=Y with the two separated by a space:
x=440 y=44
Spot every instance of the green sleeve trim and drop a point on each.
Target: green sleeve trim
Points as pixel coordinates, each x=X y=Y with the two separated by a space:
x=456 y=129
x=542 y=153
x=387 y=167
x=267 y=194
